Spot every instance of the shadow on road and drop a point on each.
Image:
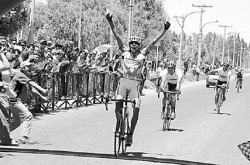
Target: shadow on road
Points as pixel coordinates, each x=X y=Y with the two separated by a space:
x=221 y=113
x=135 y=156
x=173 y=130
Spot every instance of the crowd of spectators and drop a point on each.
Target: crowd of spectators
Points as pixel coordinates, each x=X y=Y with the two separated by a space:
x=21 y=68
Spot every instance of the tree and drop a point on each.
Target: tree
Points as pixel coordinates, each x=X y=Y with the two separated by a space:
x=13 y=20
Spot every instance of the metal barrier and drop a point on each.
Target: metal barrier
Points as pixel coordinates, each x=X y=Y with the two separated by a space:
x=69 y=90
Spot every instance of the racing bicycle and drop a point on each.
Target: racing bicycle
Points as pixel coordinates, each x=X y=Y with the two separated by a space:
x=239 y=84
x=124 y=127
x=167 y=113
x=219 y=96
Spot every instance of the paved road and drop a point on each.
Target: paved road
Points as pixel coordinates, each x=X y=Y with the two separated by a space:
x=84 y=135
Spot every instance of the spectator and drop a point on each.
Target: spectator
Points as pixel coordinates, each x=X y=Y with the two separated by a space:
x=4 y=107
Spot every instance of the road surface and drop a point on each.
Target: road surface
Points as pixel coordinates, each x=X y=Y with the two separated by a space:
x=199 y=135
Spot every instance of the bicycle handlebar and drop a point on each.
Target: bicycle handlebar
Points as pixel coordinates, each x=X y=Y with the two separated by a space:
x=170 y=92
x=121 y=100
x=177 y=92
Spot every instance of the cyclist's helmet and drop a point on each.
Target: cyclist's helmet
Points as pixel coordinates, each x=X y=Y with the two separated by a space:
x=225 y=64
x=135 y=39
x=171 y=64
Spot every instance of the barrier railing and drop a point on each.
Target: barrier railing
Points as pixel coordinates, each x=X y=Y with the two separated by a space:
x=69 y=90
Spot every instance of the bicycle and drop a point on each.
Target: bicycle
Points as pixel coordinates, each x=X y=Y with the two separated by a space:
x=124 y=127
x=238 y=85
x=219 y=94
x=167 y=113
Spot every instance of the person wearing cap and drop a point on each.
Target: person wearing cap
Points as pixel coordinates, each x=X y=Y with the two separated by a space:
x=23 y=44
x=13 y=42
x=131 y=65
x=170 y=79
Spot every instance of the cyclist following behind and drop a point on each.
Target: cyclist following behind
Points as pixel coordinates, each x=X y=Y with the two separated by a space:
x=169 y=80
x=238 y=77
x=131 y=67
x=224 y=78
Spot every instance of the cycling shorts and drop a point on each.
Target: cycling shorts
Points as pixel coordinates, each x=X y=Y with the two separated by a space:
x=172 y=87
x=221 y=82
x=130 y=86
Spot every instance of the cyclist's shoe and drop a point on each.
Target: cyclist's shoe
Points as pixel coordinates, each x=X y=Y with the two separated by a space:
x=25 y=140
x=173 y=116
x=224 y=98
x=162 y=114
x=129 y=140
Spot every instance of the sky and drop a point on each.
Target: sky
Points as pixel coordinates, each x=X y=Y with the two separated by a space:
x=235 y=13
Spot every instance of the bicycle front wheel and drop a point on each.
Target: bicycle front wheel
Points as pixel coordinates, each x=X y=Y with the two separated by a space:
x=126 y=130
x=167 y=119
x=119 y=140
x=238 y=86
x=219 y=103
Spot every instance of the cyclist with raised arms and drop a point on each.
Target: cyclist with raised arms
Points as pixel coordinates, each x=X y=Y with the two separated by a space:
x=169 y=80
x=131 y=67
x=224 y=78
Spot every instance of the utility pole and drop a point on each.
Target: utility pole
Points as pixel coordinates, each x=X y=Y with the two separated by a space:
x=200 y=35
x=215 y=43
x=223 y=47
x=183 y=18
x=234 y=51
x=130 y=21
x=193 y=43
x=80 y=26
x=241 y=51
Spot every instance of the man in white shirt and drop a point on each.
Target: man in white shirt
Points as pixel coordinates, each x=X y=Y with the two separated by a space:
x=224 y=78
x=170 y=79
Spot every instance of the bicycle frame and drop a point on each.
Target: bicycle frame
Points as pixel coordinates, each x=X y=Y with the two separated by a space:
x=124 y=127
x=239 y=83
x=167 y=114
x=219 y=97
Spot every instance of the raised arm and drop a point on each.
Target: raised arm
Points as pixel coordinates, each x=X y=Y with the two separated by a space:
x=117 y=37
x=166 y=27
x=5 y=63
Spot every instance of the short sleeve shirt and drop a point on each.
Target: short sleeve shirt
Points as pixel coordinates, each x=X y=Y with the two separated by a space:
x=224 y=75
x=171 y=78
x=132 y=66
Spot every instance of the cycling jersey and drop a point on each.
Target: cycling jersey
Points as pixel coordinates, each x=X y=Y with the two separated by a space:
x=168 y=78
x=132 y=66
x=238 y=75
x=224 y=75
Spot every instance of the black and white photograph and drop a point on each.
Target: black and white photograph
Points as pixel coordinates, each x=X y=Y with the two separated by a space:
x=117 y=82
